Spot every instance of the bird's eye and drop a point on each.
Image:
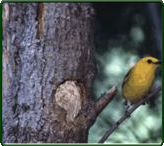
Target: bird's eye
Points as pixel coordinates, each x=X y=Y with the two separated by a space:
x=149 y=61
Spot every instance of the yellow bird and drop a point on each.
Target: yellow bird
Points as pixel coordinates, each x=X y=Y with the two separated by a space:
x=139 y=79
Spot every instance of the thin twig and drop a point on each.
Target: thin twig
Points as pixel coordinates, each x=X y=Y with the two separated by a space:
x=105 y=99
x=127 y=114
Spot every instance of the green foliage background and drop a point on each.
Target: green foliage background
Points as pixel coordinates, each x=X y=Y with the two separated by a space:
x=117 y=50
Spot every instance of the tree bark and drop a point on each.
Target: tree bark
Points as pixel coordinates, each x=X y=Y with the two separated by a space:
x=48 y=70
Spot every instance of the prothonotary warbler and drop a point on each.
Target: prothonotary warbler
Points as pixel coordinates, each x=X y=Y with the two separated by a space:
x=139 y=80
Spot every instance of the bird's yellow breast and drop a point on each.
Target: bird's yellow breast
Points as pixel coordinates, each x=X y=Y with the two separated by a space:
x=138 y=83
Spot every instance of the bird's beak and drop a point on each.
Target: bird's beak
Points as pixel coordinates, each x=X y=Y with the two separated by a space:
x=158 y=62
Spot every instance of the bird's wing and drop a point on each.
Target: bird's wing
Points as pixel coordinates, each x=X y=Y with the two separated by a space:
x=126 y=77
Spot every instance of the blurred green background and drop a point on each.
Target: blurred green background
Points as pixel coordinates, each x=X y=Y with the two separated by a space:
x=126 y=32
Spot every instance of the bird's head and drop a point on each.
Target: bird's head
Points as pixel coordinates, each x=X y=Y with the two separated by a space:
x=150 y=62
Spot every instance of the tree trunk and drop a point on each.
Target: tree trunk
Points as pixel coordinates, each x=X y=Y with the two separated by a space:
x=48 y=70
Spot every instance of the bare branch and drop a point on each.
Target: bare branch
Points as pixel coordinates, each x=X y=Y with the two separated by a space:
x=128 y=113
x=105 y=99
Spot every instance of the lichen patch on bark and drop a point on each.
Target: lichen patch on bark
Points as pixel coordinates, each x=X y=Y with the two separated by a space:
x=68 y=96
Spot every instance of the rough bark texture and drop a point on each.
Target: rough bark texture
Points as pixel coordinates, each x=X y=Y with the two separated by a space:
x=47 y=47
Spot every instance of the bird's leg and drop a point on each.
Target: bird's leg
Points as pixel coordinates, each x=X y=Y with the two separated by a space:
x=146 y=102
x=127 y=106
